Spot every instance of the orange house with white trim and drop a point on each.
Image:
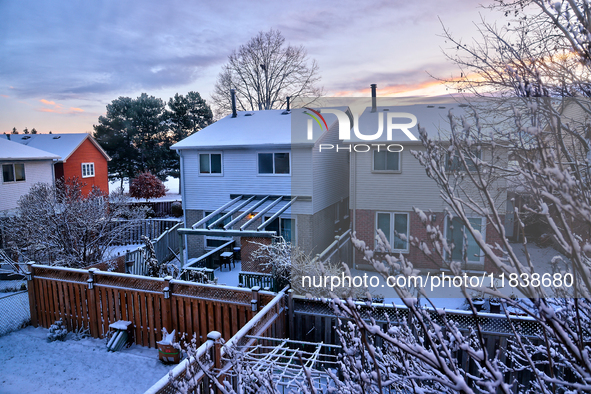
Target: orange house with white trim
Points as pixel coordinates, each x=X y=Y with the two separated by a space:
x=81 y=157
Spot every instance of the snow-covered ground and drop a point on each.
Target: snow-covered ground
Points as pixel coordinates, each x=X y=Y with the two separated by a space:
x=229 y=278
x=30 y=364
x=172 y=184
x=120 y=250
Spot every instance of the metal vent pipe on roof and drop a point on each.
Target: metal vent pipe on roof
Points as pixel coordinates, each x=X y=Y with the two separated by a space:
x=233 y=94
x=287 y=103
x=374 y=105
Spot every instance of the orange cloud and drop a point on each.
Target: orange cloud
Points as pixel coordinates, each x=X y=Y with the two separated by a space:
x=4 y=95
x=425 y=88
x=56 y=108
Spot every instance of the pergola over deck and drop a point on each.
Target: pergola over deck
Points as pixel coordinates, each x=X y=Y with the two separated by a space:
x=252 y=207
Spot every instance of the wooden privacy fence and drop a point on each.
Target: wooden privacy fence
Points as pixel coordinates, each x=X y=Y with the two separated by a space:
x=93 y=299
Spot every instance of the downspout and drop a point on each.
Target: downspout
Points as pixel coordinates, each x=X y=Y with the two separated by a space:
x=353 y=170
x=184 y=252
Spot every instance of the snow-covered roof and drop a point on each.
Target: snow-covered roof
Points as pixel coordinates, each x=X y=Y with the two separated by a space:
x=248 y=128
x=269 y=128
x=432 y=117
x=10 y=150
x=60 y=144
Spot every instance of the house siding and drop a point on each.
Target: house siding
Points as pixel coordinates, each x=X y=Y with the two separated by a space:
x=331 y=172
x=87 y=153
x=35 y=171
x=239 y=167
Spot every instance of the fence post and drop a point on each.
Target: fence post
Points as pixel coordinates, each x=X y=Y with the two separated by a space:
x=290 y=314
x=254 y=303
x=217 y=353
x=31 y=290
x=93 y=324
x=167 y=305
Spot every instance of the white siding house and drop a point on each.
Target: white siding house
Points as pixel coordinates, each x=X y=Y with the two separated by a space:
x=254 y=154
x=22 y=167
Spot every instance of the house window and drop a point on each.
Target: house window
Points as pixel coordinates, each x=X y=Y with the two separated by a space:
x=455 y=231
x=455 y=164
x=87 y=170
x=13 y=173
x=386 y=161
x=282 y=227
x=395 y=228
x=210 y=163
x=274 y=163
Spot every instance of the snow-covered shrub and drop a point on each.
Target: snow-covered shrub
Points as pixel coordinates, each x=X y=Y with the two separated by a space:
x=57 y=332
x=288 y=263
x=80 y=334
x=60 y=225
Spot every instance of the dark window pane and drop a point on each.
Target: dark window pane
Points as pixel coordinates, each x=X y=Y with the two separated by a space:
x=287 y=229
x=7 y=173
x=392 y=159
x=216 y=163
x=214 y=243
x=473 y=249
x=204 y=163
x=273 y=226
x=379 y=161
x=400 y=227
x=456 y=235
x=384 y=224
x=265 y=163
x=281 y=163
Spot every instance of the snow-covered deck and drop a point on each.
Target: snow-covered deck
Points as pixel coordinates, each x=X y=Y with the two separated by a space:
x=30 y=364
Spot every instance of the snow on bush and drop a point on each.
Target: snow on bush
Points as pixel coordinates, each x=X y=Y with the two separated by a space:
x=57 y=332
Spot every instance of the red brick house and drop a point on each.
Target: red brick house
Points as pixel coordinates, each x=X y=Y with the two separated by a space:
x=81 y=157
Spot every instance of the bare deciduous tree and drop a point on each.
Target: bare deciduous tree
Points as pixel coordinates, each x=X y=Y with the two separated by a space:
x=58 y=225
x=264 y=72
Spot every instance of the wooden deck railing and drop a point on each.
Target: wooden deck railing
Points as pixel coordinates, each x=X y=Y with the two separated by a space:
x=151 y=228
x=251 y=279
x=166 y=246
x=211 y=259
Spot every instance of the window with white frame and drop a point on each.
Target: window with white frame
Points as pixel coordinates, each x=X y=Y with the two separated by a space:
x=14 y=172
x=210 y=163
x=384 y=161
x=87 y=170
x=463 y=240
x=395 y=228
x=273 y=163
x=282 y=227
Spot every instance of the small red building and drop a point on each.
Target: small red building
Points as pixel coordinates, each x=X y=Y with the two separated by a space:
x=81 y=157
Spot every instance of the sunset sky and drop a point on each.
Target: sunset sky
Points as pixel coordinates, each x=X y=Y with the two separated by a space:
x=61 y=63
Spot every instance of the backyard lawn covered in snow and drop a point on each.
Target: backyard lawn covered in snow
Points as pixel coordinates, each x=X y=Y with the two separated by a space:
x=30 y=364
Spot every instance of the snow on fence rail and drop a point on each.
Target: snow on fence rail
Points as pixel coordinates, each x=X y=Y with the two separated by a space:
x=93 y=299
